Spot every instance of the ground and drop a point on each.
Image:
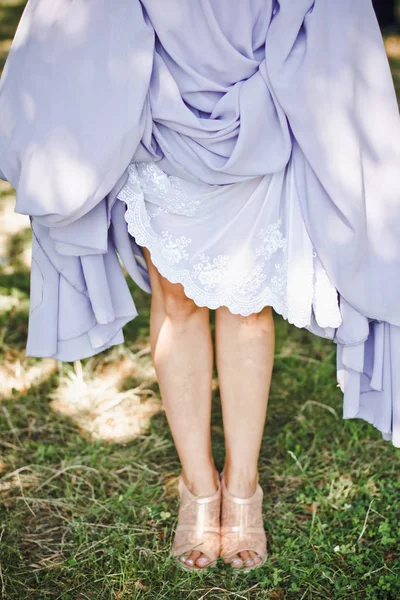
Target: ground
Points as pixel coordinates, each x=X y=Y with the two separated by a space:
x=88 y=469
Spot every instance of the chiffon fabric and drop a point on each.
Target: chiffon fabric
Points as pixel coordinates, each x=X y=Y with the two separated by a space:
x=274 y=123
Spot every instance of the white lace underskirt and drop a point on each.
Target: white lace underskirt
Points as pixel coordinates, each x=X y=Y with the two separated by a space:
x=242 y=245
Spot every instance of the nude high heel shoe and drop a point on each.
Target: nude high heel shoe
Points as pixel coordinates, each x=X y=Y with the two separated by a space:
x=242 y=526
x=198 y=526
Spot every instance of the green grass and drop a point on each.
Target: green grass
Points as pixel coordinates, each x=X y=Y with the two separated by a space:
x=84 y=516
x=10 y=13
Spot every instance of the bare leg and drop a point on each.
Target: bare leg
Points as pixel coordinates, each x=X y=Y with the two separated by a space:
x=245 y=354
x=182 y=354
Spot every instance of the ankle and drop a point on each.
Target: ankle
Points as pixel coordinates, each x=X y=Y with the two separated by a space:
x=201 y=483
x=240 y=482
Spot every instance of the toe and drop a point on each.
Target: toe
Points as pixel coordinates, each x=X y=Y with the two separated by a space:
x=236 y=562
x=253 y=556
x=246 y=558
x=192 y=557
x=244 y=555
x=202 y=561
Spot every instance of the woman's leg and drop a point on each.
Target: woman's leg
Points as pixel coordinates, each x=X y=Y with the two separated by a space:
x=182 y=354
x=244 y=354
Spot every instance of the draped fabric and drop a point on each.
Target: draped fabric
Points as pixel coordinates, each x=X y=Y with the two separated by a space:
x=215 y=92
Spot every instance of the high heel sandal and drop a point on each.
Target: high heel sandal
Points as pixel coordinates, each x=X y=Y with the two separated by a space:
x=242 y=526
x=198 y=526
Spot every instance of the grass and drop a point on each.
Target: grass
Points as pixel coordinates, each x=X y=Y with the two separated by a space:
x=88 y=469
x=10 y=13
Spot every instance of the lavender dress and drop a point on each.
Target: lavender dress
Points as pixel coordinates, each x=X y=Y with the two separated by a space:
x=253 y=147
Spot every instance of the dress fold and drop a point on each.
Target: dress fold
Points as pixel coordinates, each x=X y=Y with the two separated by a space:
x=368 y=375
x=79 y=304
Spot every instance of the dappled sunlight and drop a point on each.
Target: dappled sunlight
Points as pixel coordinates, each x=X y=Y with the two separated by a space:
x=92 y=396
x=363 y=160
x=71 y=178
x=71 y=21
x=96 y=397
x=16 y=374
x=5 y=46
x=392 y=45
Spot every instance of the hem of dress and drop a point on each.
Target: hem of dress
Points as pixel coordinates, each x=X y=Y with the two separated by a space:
x=174 y=276
x=165 y=271
x=387 y=436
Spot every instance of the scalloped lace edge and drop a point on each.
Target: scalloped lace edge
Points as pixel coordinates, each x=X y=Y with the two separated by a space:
x=144 y=236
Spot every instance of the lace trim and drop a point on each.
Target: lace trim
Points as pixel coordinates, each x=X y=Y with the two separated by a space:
x=166 y=187
x=166 y=251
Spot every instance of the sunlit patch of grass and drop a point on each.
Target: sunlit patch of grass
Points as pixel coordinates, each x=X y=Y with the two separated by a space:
x=92 y=396
x=17 y=374
x=392 y=45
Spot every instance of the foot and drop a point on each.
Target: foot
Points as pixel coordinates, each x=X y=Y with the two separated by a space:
x=242 y=485
x=196 y=558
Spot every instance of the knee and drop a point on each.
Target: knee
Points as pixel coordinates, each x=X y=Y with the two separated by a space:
x=169 y=298
x=261 y=322
x=176 y=305
x=263 y=318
